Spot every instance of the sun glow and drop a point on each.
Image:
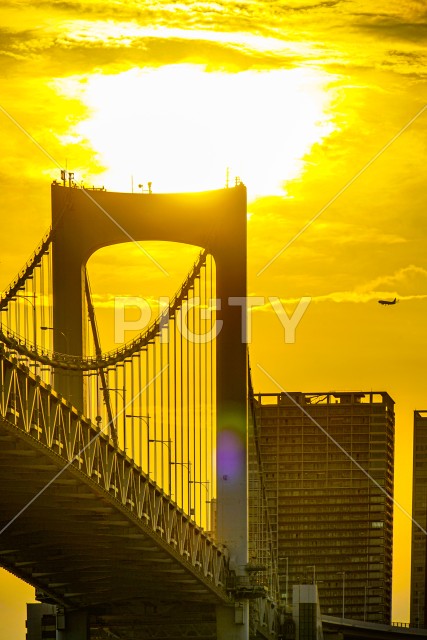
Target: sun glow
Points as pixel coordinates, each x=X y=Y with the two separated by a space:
x=180 y=126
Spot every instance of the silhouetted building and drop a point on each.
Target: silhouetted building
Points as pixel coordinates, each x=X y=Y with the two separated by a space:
x=332 y=524
x=41 y=621
x=419 y=509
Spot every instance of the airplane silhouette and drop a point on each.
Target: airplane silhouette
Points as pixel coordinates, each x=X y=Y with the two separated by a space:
x=387 y=302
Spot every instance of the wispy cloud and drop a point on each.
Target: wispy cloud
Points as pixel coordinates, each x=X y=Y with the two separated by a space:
x=347 y=296
x=408 y=283
x=408 y=279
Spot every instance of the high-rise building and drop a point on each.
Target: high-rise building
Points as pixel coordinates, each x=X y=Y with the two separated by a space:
x=327 y=463
x=419 y=514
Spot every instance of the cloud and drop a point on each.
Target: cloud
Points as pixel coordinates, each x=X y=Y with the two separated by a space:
x=395 y=29
x=327 y=4
x=66 y=37
x=408 y=280
x=343 y=234
x=410 y=63
x=86 y=46
x=16 y=45
x=372 y=296
x=408 y=283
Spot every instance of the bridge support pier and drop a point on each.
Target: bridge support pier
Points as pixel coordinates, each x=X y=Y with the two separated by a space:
x=76 y=626
x=232 y=622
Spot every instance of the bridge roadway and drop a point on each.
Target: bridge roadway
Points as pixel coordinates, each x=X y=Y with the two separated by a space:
x=91 y=531
x=343 y=629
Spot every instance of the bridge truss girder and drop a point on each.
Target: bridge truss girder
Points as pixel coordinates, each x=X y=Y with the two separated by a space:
x=101 y=521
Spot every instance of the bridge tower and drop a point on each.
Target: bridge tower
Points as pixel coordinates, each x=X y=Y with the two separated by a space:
x=85 y=221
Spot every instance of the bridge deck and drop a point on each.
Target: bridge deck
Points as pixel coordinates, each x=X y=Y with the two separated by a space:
x=358 y=629
x=100 y=532
x=79 y=543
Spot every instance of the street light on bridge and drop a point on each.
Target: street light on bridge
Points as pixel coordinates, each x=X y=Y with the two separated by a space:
x=121 y=391
x=146 y=420
x=313 y=566
x=33 y=304
x=166 y=443
x=287 y=580
x=204 y=484
x=187 y=465
x=67 y=349
x=54 y=329
x=343 y=590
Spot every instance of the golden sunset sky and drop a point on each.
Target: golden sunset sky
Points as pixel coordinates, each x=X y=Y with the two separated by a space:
x=316 y=106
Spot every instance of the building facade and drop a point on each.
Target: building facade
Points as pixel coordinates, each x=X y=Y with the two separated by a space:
x=327 y=463
x=419 y=514
x=41 y=621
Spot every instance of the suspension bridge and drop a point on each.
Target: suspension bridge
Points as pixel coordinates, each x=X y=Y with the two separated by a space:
x=132 y=487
